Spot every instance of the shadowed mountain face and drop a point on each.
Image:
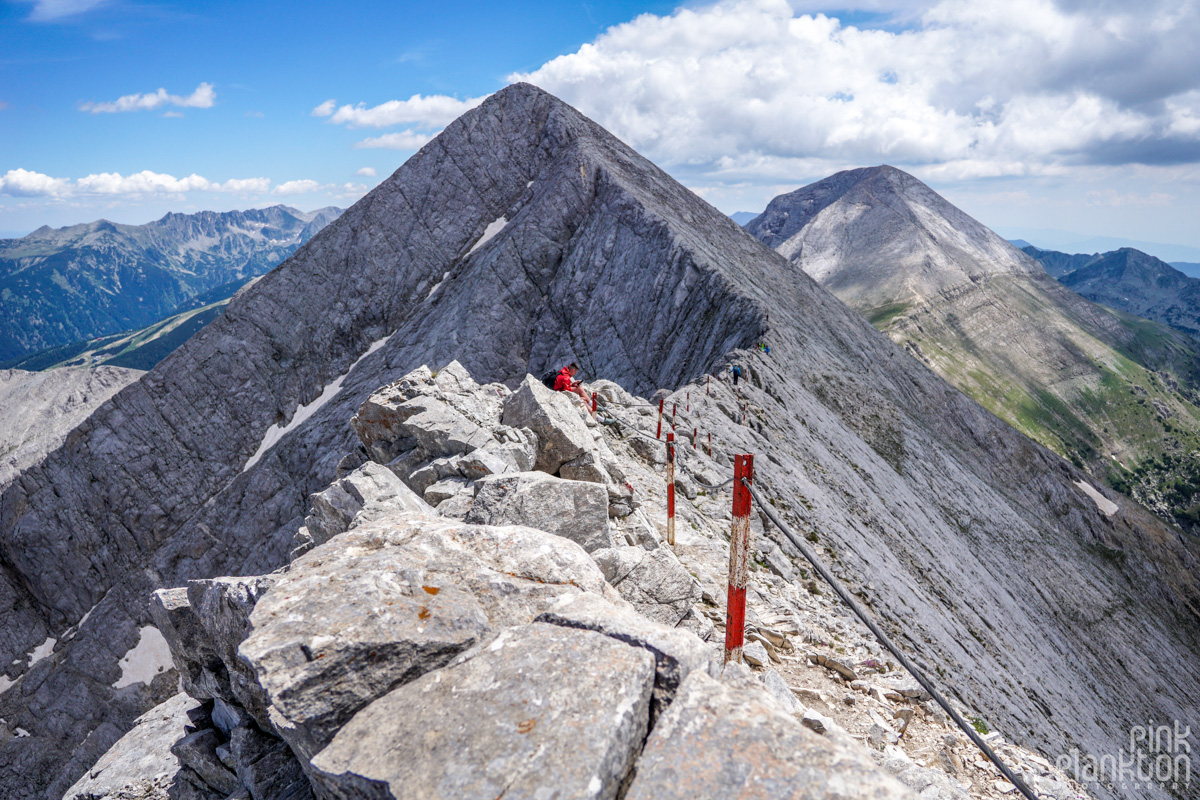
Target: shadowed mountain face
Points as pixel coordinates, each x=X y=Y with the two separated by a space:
x=76 y=283
x=522 y=236
x=1108 y=390
x=1130 y=281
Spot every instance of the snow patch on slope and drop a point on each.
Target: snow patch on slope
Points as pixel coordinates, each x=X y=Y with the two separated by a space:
x=148 y=658
x=1107 y=507
x=303 y=412
x=490 y=231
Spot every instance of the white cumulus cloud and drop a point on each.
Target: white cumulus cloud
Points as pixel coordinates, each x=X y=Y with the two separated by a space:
x=297 y=187
x=434 y=111
x=203 y=97
x=366 y=172
x=756 y=90
x=404 y=140
x=23 y=183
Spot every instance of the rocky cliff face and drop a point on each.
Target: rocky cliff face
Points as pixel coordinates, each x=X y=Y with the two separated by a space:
x=70 y=284
x=1106 y=390
x=39 y=409
x=521 y=236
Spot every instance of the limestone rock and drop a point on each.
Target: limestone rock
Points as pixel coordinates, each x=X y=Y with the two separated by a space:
x=574 y=510
x=654 y=582
x=385 y=603
x=487 y=728
x=561 y=432
x=783 y=695
x=756 y=655
x=676 y=652
x=141 y=763
x=193 y=650
x=198 y=752
x=266 y=766
x=371 y=489
x=223 y=606
x=729 y=739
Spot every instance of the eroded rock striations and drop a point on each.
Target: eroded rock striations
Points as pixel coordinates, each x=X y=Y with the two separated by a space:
x=39 y=409
x=976 y=547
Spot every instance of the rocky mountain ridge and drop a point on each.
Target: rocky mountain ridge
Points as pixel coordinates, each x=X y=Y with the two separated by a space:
x=1110 y=391
x=75 y=283
x=509 y=660
x=524 y=236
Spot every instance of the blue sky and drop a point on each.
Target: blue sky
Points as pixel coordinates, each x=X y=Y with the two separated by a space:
x=1041 y=114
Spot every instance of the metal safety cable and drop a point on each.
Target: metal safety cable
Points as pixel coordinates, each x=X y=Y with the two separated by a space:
x=812 y=559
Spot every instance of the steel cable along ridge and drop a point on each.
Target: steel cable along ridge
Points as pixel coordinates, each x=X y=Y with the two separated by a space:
x=812 y=559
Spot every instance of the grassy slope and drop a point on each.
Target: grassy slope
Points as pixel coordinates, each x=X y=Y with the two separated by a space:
x=1108 y=418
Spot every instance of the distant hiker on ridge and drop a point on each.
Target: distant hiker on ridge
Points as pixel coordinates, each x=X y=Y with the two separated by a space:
x=565 y=382
x=737 y=373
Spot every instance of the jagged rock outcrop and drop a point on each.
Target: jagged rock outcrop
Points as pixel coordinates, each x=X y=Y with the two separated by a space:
x=943 y=516
x=39 y=409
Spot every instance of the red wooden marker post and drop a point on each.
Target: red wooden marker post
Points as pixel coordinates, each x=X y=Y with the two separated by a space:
x=674 y=411
x=593 y=402
x=707 y=384
x=671 y=490
x=688 y=408
x=695 y=437
x=658 y=435
x=710 y=445
x=739 y=555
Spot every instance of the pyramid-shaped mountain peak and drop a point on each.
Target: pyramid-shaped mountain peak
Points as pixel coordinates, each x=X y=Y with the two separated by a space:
x=910 y=244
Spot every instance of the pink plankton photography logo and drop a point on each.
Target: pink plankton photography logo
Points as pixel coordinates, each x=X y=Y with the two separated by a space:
x=1161 y=755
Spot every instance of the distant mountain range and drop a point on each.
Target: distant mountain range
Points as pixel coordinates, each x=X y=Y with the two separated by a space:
x=1131 y=281
x=742 y=217
x=67 y=285
x=1106 y=389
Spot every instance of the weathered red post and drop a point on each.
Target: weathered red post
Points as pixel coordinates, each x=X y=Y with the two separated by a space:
x=710 y=444
x=593 y=402
x=695 y=437
x=739 y=555
x=674 y=411
x=658 y=435
x=671 y=489
x=688 y=408
x=707 y=385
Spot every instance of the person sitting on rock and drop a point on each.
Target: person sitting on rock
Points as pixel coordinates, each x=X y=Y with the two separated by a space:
x=565 y=382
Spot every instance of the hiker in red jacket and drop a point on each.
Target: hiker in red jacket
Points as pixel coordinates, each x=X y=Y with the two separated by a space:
x=565 y=382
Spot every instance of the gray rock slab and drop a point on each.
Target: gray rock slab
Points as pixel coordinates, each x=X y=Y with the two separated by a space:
x=381 y=605
x=676 y=652
x=653 y=581
x=729 y=739
x=193 y=650
x=544 y=711
x=574 y=510
x=198 y=752
x=141 y=764
x=266 y=766
x=223 y=606
x=561 y=432
x=372 y=488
